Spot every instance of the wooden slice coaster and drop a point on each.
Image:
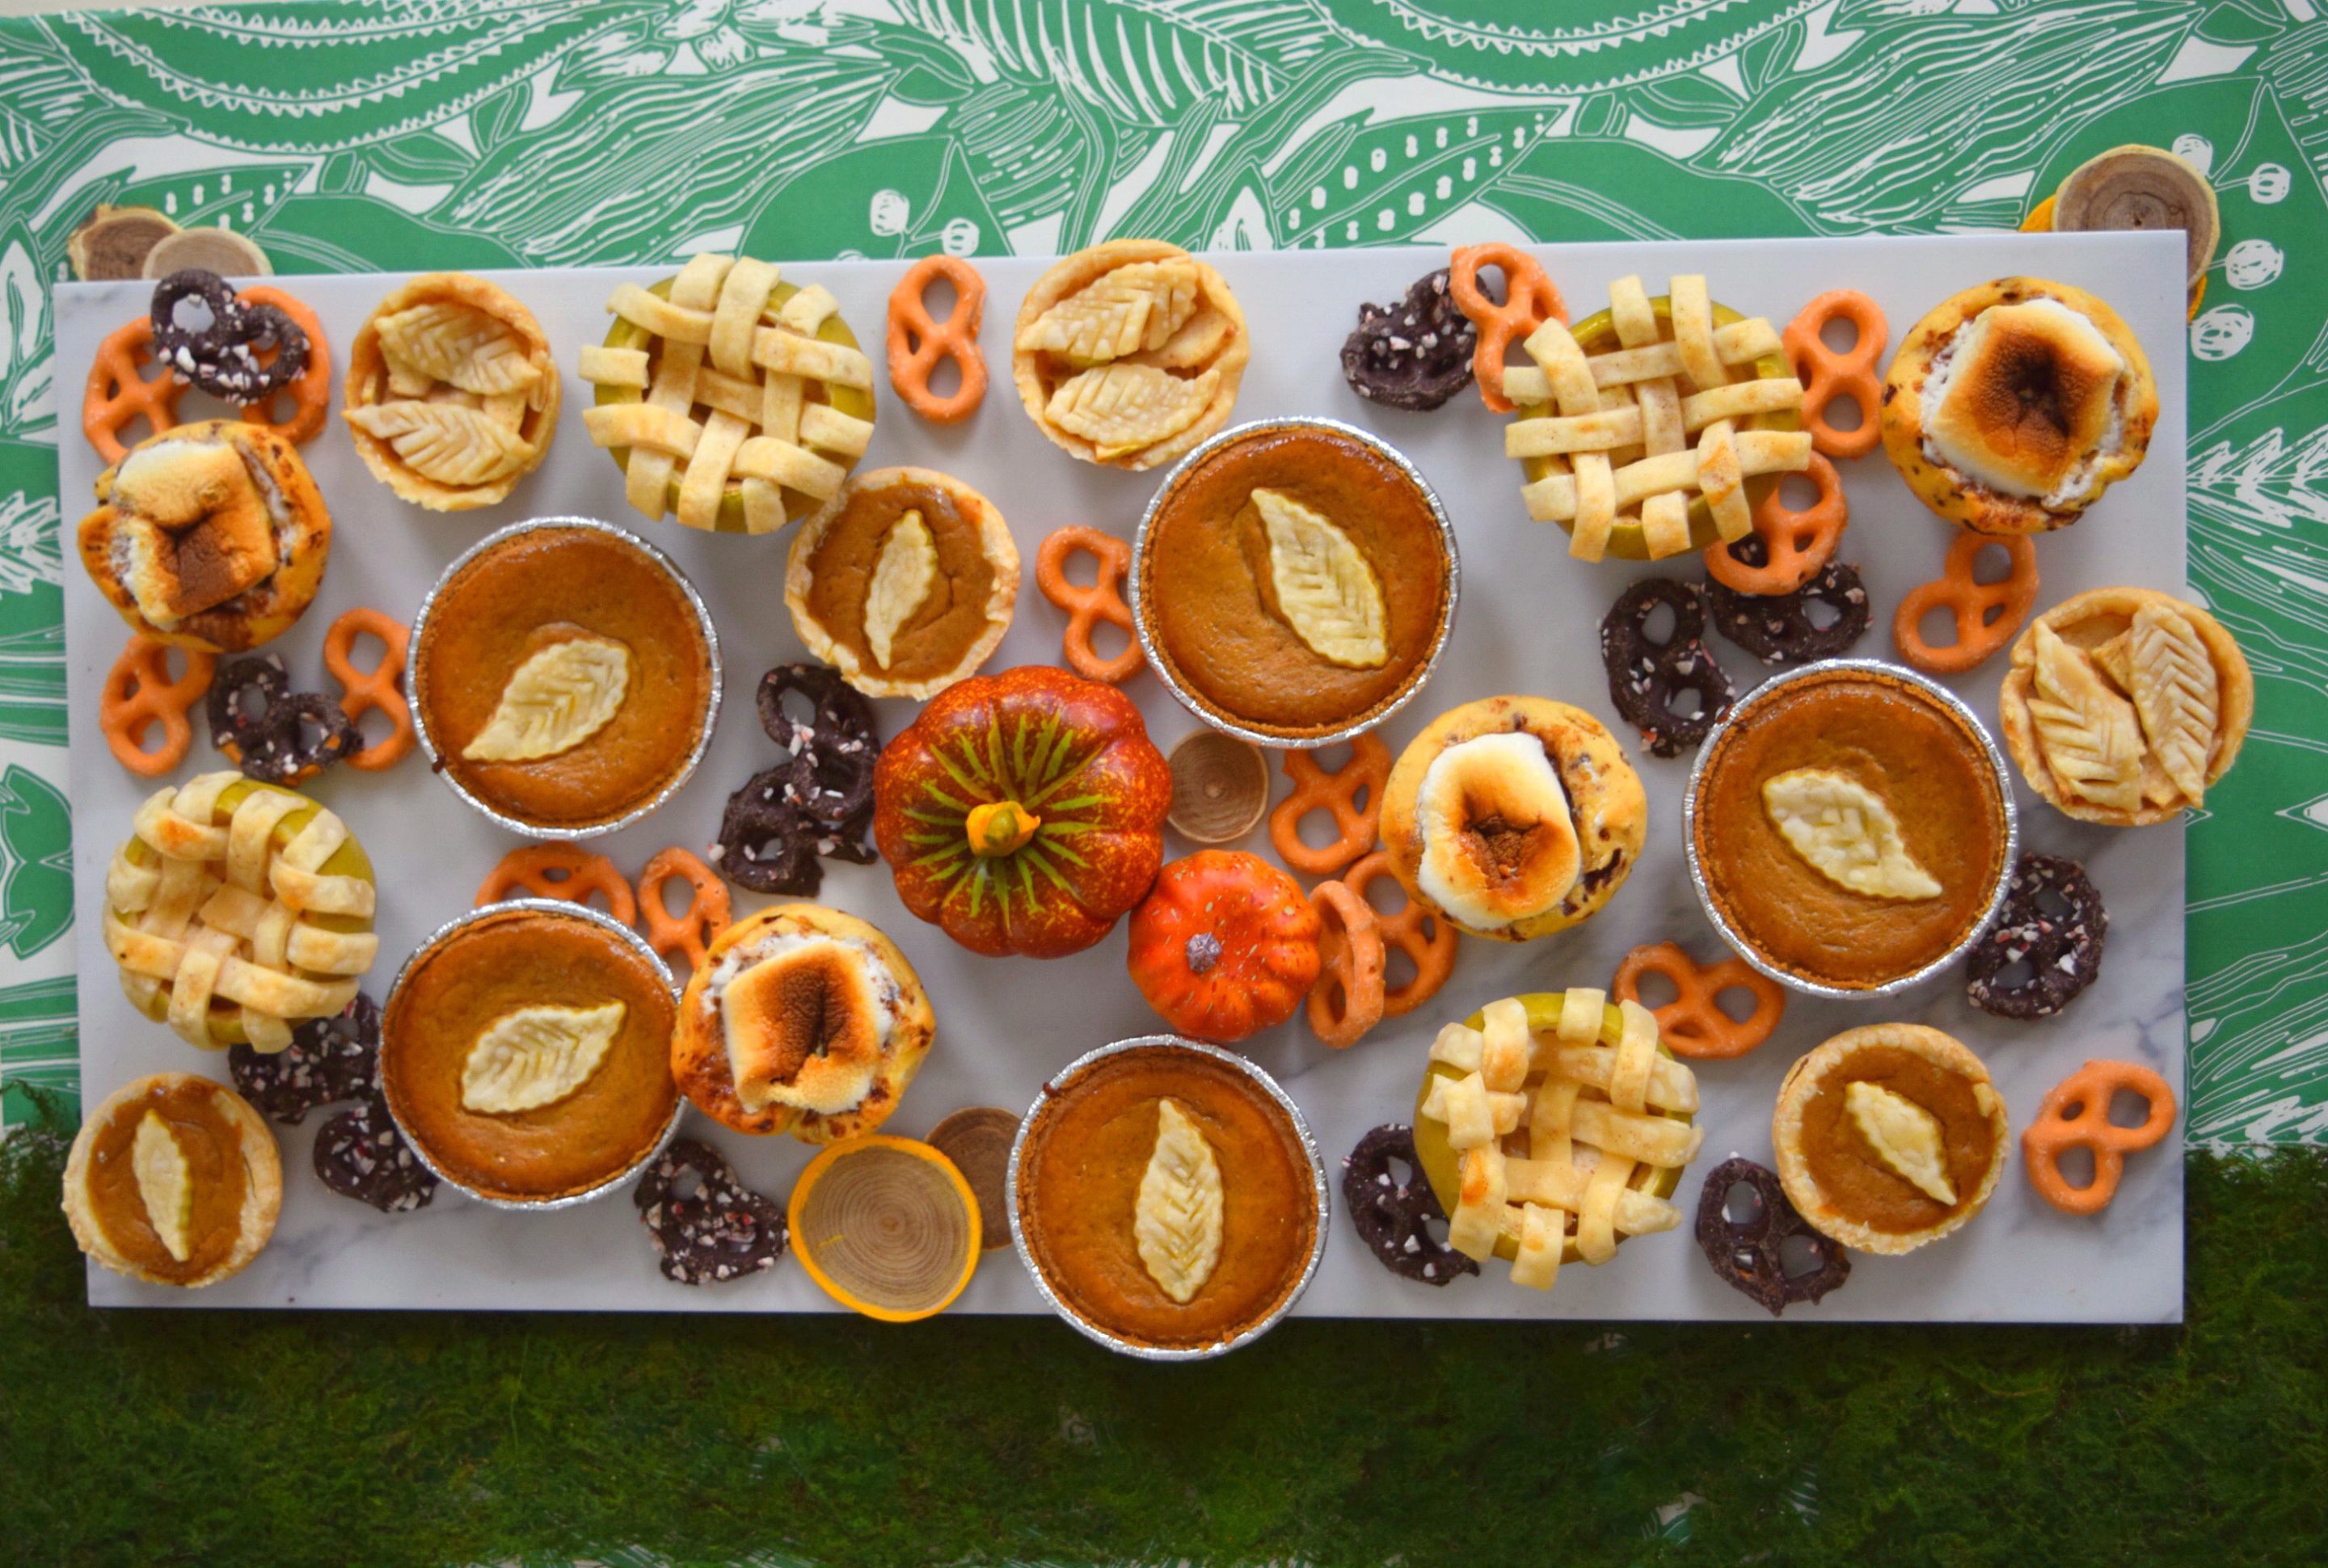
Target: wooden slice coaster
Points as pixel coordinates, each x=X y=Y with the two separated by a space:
x=886 y=1226
x=1220 y=787
x=978 y=1139
x=219 y=251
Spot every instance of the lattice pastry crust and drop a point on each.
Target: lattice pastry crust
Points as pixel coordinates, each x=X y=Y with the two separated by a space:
x=1568 y=1122
x=452 y=392
x=236 y=909
x=1129 y=354
x=733 y=400
x=1643 y=446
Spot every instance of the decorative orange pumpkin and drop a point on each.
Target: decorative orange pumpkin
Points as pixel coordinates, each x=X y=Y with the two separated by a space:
x=1224 y=946
x=1023 y=812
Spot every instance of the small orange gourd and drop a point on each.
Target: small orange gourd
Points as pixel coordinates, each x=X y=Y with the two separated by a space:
x=1225 y=945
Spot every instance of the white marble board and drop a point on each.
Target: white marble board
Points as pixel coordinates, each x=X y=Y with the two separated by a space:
x=1528 y=622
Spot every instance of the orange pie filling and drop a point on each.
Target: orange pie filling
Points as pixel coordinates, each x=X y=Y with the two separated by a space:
x=946 y=618
x=167 y=1182
x=1884 y=1188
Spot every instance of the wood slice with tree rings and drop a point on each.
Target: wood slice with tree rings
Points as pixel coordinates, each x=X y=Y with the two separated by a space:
x=1220 y=787
x=978 y=1139
x=886 y=1226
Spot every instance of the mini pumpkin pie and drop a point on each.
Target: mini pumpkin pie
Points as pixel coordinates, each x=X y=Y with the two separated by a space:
x=2013 y=406
x=452 y=394
x=1552 y=1127
x=1166 y=1198
x=1293 y=580
x=1129 y=354
x=908 y=588
x=173 y=1179
x=564 y=676
x=525 y=1051
x=237 y=909
x=1514 y=817
x=802 y=1020
x=1850 y=826
x=733 y=400
x=211 y=536
x=1656 y=426
x=2121 y=706
x=1888 y=1136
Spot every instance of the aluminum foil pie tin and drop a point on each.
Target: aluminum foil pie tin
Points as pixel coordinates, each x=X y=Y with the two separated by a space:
x=1064 y=1078
x=1762 y=695
x=420 y=645
x=1137 y=584
x=443 y=934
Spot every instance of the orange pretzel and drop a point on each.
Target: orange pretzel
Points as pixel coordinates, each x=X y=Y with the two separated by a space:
x=1530 y=299
x=1417 y=931
x=561 y=871
x=381 y=687
x=707 y=912
x=118 y=392
x=1087 y=607
x=1335 y=794
x=1347 y=1000
x=1798 y=543
x=139 y=693
x=1825 y=375
x=1986 y=614
x=1692 y=1024
x=917 y=342
x=2075 y=1115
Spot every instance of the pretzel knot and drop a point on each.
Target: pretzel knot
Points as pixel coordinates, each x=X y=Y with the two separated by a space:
x=140 y=692
x=1986 y=614
x=1087 y=607
x=1337 y=794
x=2075 y=1115
x=1827 y=375
x=1530 y=299
x=311 y=394
x=119 y=393
x=1793 y=545
x=381 y=688
x=559 y=871
x=1416 y=931
x=707 y=913
x=917 y=342
x=1347 y=1000
x=1693 y=1023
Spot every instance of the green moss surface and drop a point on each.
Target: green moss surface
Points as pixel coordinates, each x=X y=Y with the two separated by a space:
x=279 y=1438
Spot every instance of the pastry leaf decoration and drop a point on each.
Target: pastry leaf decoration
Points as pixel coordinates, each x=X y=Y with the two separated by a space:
x=1176 y=1221
x=536 y=1056
x=1847 y=832
x=459 y=346
x=2089 y=734
x=1123 y=409
x=1324 y=589
x=2173 y=680
x=1136 y=306
x=558 y=698
x=1905 y=1136
x=902 y=577
x=450 y=442
x=166 y=1184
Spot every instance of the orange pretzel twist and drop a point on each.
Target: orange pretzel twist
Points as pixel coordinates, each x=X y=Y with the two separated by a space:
x=1347 y=1000
x=707 y=913
x=1335 y=794
x=1692 y=1024
x=119 y=393
x=311 y=394
x=140 y=693
x=1827 y=375
x=1087 y=607
x=561 y=871
x=379 y=688
x=1530 y=299
x=1986 y=614
x=1798 y=543
x=917 y=342
x=2075 y=1115
x=1418 y=932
